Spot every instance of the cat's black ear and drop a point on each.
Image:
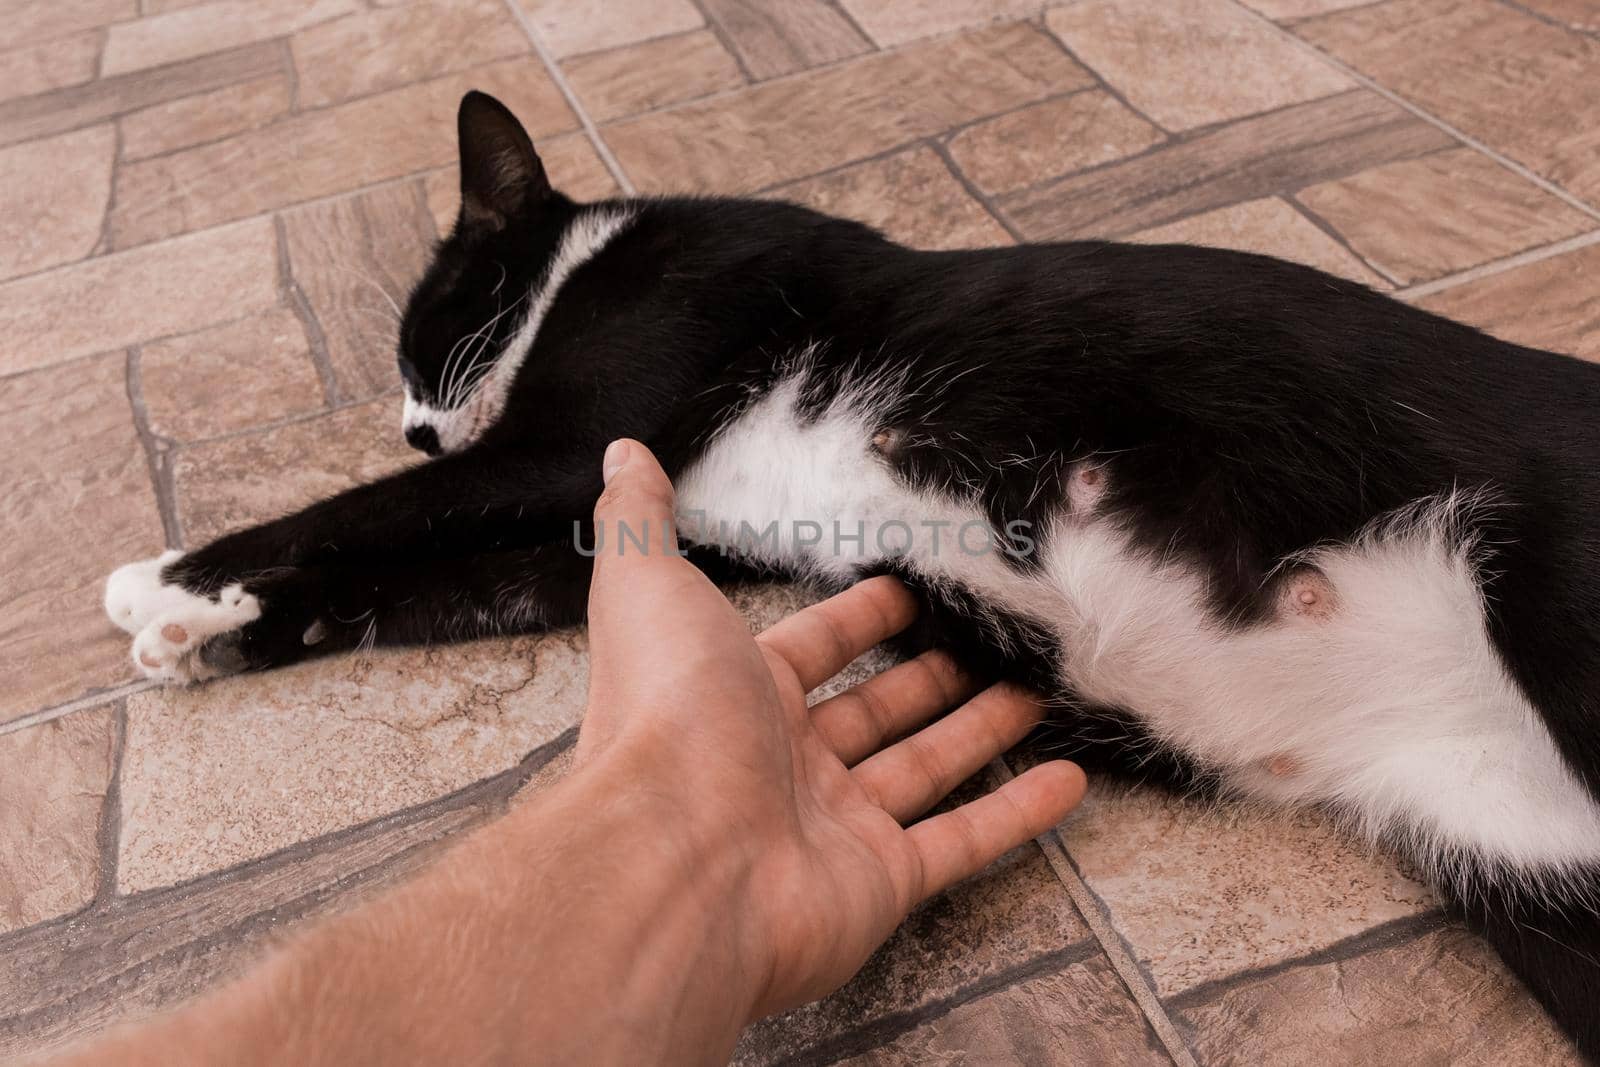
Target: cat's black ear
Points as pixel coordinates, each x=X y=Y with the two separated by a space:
x=501 y=176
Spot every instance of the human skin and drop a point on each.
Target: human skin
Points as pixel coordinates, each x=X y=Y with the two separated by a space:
x=718 y=852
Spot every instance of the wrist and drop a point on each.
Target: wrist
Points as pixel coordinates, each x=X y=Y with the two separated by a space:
x=631 y=880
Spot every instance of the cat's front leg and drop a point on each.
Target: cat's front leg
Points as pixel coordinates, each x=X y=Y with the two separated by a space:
x=290 y=614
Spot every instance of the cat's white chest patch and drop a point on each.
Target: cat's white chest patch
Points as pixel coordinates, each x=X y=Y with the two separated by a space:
x=1375 y=690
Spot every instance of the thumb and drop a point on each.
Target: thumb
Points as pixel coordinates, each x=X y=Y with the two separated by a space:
x=633 y=518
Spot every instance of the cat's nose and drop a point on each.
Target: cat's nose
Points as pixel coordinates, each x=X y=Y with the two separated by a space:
x=424 y=438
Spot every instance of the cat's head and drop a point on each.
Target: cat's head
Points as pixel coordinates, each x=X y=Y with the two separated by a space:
x=465 y=313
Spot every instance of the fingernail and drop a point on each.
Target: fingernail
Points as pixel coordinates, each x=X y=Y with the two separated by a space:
x=616 y=459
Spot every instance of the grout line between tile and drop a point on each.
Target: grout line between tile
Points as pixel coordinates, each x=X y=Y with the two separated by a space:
x=109 y=833
x=291 y=74
x=83 y=703
x=850 y=1043
x=1055 y=853
x=1296 y=20
x=941 y=150
x=100 y=52
x=1106 y=87
x=806 y=72
x=1498 y=266
x=1295 y=205
x=1426 y=116
x=288 y=420
x=295 y=297
x=844 y=13
x=900 y=146
x=724 y=39
x=1548 y=20
x=490 y=794
x=103 y=243
x=554 y=70
x=157 y=452
x=1373 y=939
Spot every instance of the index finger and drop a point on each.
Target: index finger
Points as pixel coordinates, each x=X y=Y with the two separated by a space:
x=822 y=640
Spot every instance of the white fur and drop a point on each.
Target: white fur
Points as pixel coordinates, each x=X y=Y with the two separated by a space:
x=461 y=423
x=1388 y=704
x=168 y=648
x=140 y=603
x=135 y=595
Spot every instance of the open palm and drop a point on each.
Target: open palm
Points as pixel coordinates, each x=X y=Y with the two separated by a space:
x=822 y=801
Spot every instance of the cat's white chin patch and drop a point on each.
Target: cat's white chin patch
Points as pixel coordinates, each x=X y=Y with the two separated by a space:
x=135 y=593
x=167 y=649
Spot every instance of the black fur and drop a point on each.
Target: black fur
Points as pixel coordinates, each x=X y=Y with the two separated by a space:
x=1251 y=407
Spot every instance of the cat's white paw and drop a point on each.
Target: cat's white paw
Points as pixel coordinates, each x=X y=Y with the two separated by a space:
x=135 y=595
x=167 y=649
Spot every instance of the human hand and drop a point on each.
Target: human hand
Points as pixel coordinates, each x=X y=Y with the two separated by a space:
x=815 y=809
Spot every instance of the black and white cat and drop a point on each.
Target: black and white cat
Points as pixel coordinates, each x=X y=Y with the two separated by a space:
x=1299 y=540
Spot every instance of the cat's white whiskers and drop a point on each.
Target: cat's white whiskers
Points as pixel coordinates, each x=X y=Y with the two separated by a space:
x=390 y=300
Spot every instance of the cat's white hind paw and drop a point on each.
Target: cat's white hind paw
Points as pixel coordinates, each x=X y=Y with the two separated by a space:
x=135 y=594
x=167 y=649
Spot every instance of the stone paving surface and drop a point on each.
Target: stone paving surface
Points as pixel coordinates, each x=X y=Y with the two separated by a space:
x=207 y=207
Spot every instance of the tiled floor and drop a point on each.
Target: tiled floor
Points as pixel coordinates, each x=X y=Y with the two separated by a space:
x=205 y=209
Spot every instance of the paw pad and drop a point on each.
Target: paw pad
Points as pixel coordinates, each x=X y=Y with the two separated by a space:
x=168 y=648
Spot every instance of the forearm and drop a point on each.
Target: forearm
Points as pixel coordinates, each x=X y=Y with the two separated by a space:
x=568 y=932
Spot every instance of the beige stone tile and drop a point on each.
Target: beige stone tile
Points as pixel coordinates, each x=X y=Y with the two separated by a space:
x=221 y=773
x=1256 y=157
x=894 y=22
x=396 y=46
x=568 y=27
x=111 y=301
x=158 y=949
x=1443 y=998
x=28 y=21
x=1272 y=227
x=319 y=153
x=355 y=260
x=54 y=64
x=1552 y=303
x=776 y=37
x=1424 y=218
x=1015 y=916
x=231 y=377
x=625 y=81
x=912 y=197
x=569 y=160
x=1081 y=1014
x=78 y=502
x=1579 y=14
x=205 y=117
x=56 y=775
x=1201 y=892
x=211 y=27
x=808 y=123
x=53 y=196
x=1297 y=9
x=1192 y=64
x=95 y=101
x=1507 y=78
x=238 y=481
x=1049 y=139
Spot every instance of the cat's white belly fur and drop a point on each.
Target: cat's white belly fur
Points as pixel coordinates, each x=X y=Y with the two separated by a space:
x=1385 y=701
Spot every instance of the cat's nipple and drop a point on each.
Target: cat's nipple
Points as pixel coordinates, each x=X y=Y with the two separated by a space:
x=886 y=442
x=1309 y=594
x=1085 y=485
x=1282 y=765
